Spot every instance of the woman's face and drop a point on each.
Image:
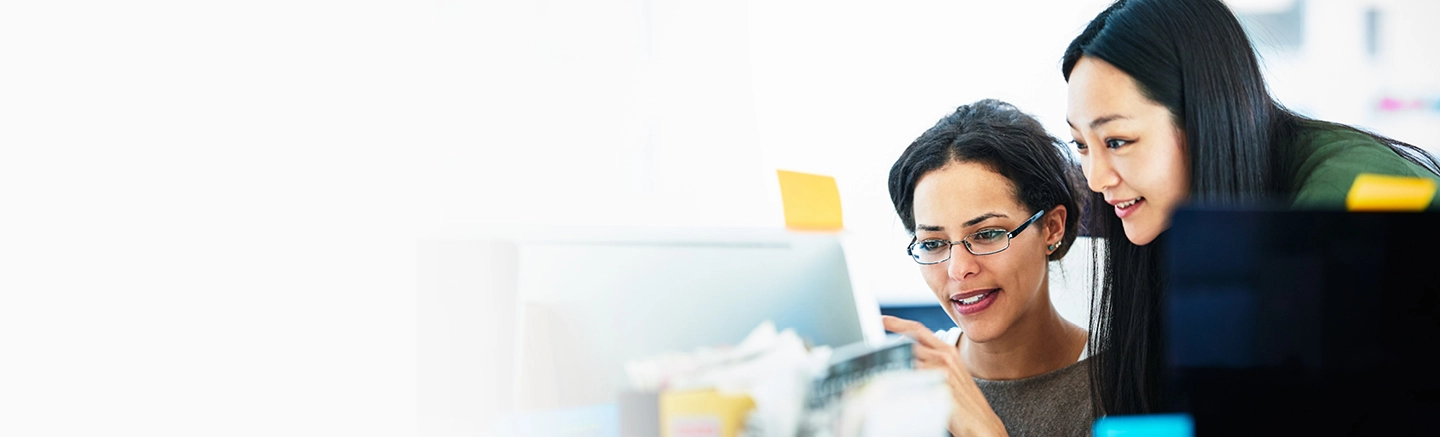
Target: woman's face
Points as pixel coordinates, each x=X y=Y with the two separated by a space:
x=999 y=289
x=1130 y=149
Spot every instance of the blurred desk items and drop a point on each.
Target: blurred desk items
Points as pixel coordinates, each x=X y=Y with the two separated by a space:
x=770 y=385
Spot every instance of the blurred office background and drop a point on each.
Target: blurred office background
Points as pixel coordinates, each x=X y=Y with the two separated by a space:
x=676 y=113
x=212 y=208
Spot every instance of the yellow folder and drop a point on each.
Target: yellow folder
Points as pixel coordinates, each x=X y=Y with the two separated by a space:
x=703 y=413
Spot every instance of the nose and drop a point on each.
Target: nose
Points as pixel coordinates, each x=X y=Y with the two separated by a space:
x=1099 y=172
x=963 y=264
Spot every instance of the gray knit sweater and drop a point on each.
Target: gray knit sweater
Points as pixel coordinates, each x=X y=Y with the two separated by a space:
x=1056 y=403
x=1050 y=404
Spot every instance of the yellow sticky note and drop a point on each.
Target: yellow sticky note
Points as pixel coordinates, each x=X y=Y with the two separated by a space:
x=812 y=202
x=705 y=413
x=1373 y=192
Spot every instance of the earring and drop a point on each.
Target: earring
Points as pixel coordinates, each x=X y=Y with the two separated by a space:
x=1053 y=246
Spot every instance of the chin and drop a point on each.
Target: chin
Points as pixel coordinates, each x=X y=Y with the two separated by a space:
x=1140 y=237
x=977 y=332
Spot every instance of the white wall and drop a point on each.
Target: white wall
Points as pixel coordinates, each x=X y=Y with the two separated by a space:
x=683 y=122
x=1332 y=76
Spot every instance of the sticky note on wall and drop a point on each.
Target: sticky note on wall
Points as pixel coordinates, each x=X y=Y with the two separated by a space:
x=812 y=202
x=1373 y=192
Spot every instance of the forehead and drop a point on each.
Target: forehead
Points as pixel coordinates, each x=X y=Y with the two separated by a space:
x=1098 y=89
x=961 y=191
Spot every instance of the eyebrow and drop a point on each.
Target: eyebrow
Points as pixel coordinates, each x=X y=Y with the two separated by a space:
x=1099 y=121
x=984 y=217
x=969 y=223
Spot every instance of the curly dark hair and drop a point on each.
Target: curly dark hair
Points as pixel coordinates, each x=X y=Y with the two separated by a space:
x=1011 y=143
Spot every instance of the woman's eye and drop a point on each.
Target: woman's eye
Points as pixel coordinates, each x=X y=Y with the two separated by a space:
x=933 y=245
x=1115 y=144
x=989 y=235
x=1078 y=145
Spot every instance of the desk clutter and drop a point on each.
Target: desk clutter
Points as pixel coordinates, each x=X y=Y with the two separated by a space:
x=771 y=384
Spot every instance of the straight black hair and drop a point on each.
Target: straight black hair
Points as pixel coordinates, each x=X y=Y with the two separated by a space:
x=1010 y=143
x=1193 y=57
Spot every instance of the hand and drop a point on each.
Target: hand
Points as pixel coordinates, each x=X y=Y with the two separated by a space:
x=972 y=415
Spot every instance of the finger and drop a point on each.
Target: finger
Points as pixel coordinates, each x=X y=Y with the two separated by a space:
x=924 y=337
x=915 y=330
x=937 y=357
x=941 y=360
x=902 y=326
x=927 y=361
x=929 y=340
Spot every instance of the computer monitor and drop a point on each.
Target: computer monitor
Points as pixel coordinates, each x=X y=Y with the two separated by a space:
x=592 y=301
x=1303 y=322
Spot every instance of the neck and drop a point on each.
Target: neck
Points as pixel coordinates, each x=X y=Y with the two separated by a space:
x=1039 y=342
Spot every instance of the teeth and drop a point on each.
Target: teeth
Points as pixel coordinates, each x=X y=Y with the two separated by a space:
x=1128 y=204
x=973 y=299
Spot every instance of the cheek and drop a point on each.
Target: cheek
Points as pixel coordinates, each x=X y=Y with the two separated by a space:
x=1172 y=173
x=1156 y=174
x=1180 y=168
x=1032 y=273
x=935 y=276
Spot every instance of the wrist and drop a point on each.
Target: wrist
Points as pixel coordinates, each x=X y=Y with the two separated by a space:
x=977 y=425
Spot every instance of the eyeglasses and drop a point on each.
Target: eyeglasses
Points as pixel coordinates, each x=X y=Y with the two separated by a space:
x=985 y=242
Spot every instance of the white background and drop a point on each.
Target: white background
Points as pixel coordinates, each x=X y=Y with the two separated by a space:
x=209 y=210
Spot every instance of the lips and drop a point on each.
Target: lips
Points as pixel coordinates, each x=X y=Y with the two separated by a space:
x=1123 y=208
x=972 y=302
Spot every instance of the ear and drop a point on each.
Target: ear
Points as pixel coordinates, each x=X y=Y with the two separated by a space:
x=1055 y=225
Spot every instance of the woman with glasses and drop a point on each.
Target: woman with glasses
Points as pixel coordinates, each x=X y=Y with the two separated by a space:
x=1167 y=106
x=990 y=198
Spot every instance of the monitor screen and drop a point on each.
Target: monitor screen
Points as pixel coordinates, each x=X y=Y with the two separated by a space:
x=1303 y=322
x=588 y=305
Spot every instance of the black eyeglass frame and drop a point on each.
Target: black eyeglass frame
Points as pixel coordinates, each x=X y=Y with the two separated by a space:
x=950 y=251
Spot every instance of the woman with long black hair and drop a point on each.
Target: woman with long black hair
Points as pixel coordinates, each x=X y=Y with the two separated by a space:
x=1167 y=106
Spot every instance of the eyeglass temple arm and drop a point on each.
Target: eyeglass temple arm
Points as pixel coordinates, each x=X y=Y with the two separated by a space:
x=1027 y=223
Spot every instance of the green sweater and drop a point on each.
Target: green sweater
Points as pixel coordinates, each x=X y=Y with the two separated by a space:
x=1331 y=158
